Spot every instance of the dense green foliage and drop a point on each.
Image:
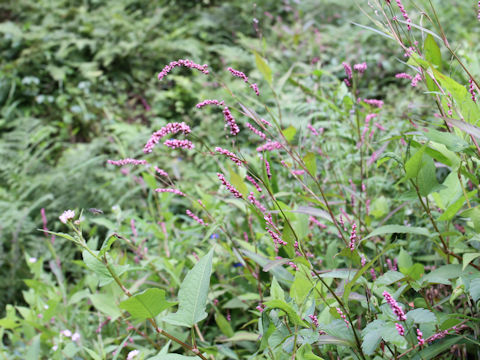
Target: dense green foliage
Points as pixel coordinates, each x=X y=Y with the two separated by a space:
x=367 y=199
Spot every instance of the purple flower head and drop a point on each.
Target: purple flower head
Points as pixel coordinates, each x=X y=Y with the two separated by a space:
x=471 y=87
x=400 y=329
x=394 y=306
x=314 y=320
x=173 y=191
x=374 y=102
x=360 y=67
x=254 y=183
x=404 y=13
x=353 y=237
x=265 y=122
x=185 y=63
x=238 y=74
x=312 y=130
x=348 y=70
x=269 y=146
x=256 y=131
x=416 y=79
x=171 y=128
x=230 y=121
x=196 y=218
x=420 y=339
x=256 y=203
x=255 y=88
x=403 y=76
x=210 y=102
x=342 y=315
x=161 y=171
x=230 y=155
x=229 y=186
x=174 y=144
x=123 y=162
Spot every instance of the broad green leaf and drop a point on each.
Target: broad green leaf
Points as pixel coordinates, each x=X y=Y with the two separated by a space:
x=276 y=291
x=238 y=183
x=107 y=244
x=305 y=353
x=263 y=67
x=468 y=258
x=421 y=316
x=454 y=208
x=390 y=334
x=475 y=289
x=443 y=274
x=33 y=352
x=379 y=207
x=92 y=354
x=372 y=335
x=391 y=229
x=450 y=140
x=427 y=178
x=433 y=55
x=242 y=336
x=289 y=133
x=389 y=278
x=192 y=295
x=415 y=271
x=105 y=302
x=404 y=259
x=301 y=285
x=311 y=163
x=146 y=304
x=282 y=274
x=291 y=313
x=414 y=164
x=100 y=269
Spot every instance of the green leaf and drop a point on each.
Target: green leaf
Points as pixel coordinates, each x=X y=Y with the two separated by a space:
x=379 y=207
x=100 y=269
x=238 y=183
x=475 y=289
x=391 y=335
x=450 y=140
x=276 y=291
x=391 y=229
x=305 y=353
x=433 y=55
x=291 y=313
x=289 y=133
x=454 y=208
x=372 y=335
x=223 y=324
x=311 y=163
x=107 y=244
x=404 y=259
x=301 y=285
x=192 y=295
x=92 y=354
x=105 y=303
x=263 y=67
x=242 y=336
x=414 y=164
x=146 y=304
x=421 y=316
x=468 y=258
x=389 y=278
x=443 y=274
x=438 y=347
x=427 y=178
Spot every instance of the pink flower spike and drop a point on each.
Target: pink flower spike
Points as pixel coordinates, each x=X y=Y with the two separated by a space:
x=127 y=161
x=420 y=339
x=404 y=13
x=312 y=130
x=316 y=222
x=353 y=237
x=183 y=144
x=256 y=203
x=348 y=70
x=471 y=87
x=394 y=306
x=265 y=122
x=416 y=79
x=173 y=191
x=360 y=67
x=256 y=131
x=400 y=329
x=403 y=76
x=210 y=102
x=254 y=183
x=314 y=320
x=196 y=218
x=342 y=315
x=66 y=216
x=171 y=128
x=238 y=74
x=230 y=121
x=269 y=146
x=230 y=155
x=161 y=171
x=229 y=186
x=298 y=172
x=267 y=167
x=185 y=63
x=255 y=88
x=374 y=102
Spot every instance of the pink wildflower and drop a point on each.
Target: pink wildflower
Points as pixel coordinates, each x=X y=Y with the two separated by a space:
x=293 y=265
x=403 y=76
x=256 y=131
x=342 y=315
x=230 y=155
x=420 y=339
x=395 y=307
x=255 y=88
x=260 y=307
x=316 y=222
x=360 y=67
x=373 y=102
x=254 y=183
x=400 y=329
x=269 y=146
x=267 y=167
x=416 y=79
x=276 y=237
x=379 y=126
x=132 y=354
x=171 y=128
x=404 y=13
x=210 y=102
x=471 y=87
x=196 y=218
x=266 y=122
x=347 y=82
x=66 y=216
x=314 y=320
x=363 y=260
x=186 y=63
x=348 y=70
x=229 y=186
x=174 y=144
x=353 y=237
x=256 y=203
x=161 y=171
x=230 y=121
x=312 y=130
x=372 y=273
x=173 y=191
x=123 y=162
x=437 y=336
x=238 y=74
x=298 y=172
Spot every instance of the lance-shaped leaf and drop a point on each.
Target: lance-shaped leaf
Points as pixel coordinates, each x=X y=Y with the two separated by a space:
x=192 y=295
x=146 y=304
